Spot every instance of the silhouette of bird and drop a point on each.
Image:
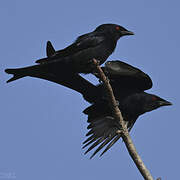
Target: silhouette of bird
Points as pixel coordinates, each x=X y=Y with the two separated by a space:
x=77 y=57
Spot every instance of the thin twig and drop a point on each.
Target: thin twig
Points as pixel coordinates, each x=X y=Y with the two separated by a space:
x=125 y=134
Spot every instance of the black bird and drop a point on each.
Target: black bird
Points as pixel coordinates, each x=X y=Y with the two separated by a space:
x=128 y=84
x=77 y=57
x=105 y=130
x=98 y=44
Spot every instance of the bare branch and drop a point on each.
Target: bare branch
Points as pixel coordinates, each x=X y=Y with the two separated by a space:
x=125 y=134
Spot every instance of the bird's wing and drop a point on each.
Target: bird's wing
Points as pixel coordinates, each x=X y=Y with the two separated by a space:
x=50 y=51
x=104 y=129
x=127 y=76
x=103 y=132
x=83 y=42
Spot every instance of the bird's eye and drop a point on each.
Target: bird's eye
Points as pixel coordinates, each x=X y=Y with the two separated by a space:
x=117 y=28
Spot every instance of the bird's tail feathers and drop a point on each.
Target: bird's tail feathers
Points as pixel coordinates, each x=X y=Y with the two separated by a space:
x=17 y=74
x=21 y=72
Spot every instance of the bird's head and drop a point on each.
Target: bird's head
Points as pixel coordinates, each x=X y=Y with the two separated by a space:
x=139 y=103
x=113 y=30
x=151 y=102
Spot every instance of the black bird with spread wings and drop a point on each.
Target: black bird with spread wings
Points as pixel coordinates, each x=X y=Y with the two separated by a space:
x=128 y=84
x=77 y=57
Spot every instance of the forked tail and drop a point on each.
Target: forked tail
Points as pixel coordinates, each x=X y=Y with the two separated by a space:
x=17 y=74
x=22 y=72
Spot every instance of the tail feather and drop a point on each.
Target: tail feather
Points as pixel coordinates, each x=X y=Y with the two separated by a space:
x=17 y=74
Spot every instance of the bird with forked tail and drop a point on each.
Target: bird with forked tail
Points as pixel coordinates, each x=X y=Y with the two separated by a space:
x=128 y=83
x=77 y=57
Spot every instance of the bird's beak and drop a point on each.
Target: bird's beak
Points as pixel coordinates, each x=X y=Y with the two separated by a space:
x=164 y=103
x=126 y=33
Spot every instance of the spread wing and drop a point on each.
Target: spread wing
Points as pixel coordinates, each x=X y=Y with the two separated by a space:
x=103 y=131
x=83 y=42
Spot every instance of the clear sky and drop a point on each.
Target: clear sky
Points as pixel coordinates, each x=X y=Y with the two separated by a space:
x=42 y=126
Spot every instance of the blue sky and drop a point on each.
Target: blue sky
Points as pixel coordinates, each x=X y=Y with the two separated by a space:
x=42 y=126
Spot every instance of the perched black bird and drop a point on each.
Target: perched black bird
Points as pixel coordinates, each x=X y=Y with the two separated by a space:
x=105 y=130
x=128 y=84
x=98 y=44
x=77 y=57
